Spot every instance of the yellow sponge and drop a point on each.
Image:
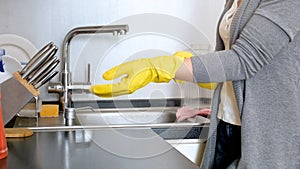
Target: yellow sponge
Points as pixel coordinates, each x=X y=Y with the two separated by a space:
x=49 y=110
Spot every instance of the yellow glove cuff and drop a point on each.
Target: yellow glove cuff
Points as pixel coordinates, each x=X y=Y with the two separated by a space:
x=209 y=86
x=184 y=54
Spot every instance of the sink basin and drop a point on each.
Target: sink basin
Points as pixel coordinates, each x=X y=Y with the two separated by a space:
x=162 y=121
x=135 y=116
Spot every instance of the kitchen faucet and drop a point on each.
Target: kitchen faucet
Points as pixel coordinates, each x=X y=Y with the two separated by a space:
x=65 y=87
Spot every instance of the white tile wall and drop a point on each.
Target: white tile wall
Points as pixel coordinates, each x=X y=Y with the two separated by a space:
x=156 y=28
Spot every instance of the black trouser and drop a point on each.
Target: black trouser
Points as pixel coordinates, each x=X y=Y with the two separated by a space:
x=228 y=145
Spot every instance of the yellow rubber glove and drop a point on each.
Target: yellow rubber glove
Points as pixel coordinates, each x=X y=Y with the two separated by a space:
x=138 y=73
x=185 y=54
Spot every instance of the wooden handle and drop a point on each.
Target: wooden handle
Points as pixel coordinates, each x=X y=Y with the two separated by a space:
x=28 y=86
x=18 y=132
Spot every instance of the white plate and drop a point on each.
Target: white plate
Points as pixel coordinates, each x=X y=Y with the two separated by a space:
x=11 y=64
x=4 y=76
x=20 y=48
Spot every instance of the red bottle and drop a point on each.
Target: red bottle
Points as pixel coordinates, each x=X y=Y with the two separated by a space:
x=3 y=145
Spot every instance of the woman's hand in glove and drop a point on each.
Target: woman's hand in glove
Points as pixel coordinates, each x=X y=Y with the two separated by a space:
x=138 y=73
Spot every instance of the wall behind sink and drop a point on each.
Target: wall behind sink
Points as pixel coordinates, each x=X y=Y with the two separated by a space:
x=156 y=28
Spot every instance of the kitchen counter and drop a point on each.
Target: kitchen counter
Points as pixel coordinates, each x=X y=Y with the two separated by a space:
x=109 y=148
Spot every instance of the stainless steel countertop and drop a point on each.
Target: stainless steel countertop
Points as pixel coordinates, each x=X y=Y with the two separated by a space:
x=99 y=148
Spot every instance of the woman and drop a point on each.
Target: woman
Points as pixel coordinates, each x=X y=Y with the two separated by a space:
x=263 y=65
x=228 y=140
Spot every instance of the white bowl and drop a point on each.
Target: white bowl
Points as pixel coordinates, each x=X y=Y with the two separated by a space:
x=11 y=64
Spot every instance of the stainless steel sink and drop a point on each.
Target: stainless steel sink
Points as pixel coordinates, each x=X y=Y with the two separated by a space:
x=156 y=118
x=135 y=117
x=162 y=121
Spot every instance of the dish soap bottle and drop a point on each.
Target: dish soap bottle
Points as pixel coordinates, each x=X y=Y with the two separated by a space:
x=2 y=53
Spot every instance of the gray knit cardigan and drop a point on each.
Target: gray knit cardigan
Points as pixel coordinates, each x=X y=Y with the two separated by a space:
x=264 y=65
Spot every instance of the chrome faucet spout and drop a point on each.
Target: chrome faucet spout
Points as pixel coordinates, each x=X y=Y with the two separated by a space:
x=119 y=29
x=66 y=87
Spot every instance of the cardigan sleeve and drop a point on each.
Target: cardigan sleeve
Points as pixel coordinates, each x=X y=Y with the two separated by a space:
x=271 y=28
x=285 y=13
